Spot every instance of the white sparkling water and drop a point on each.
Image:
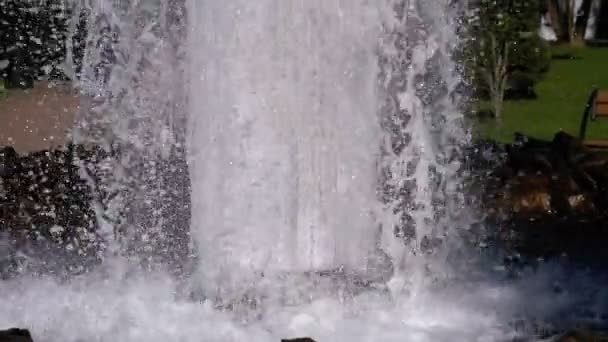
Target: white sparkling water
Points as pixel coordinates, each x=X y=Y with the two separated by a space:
x=145 y=308
x=284 y=136
x=293 y=109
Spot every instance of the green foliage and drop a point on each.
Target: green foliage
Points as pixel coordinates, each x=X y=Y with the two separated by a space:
x=530 y=62
x=506 y=31
x=531 y=55
x=509 y=20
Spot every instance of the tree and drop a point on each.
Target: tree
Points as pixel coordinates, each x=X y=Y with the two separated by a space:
x=503 y=42
x=493 y=66
x=568 y=22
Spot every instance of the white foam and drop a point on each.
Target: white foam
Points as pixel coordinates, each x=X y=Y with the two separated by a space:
x=284 y=135
x=148 y=308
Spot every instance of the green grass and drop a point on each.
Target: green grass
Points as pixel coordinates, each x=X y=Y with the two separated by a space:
x=562 y=96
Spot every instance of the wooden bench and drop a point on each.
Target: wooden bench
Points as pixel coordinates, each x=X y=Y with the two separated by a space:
x=596 y=108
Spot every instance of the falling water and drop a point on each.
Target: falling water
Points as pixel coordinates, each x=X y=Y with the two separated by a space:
x=322 y=139
x=283 y=135
x=134 y=107
x=290 y=102
x=424 y=132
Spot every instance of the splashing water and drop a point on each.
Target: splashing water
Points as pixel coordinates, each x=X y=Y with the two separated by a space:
x=323 y=146
x=284 y=136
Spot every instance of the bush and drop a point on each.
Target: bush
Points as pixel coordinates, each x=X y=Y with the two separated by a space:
x=532 y=56
x=521 y=87
x=531 y=61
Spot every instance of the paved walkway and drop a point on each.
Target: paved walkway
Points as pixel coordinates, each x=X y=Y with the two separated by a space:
x=38 y=118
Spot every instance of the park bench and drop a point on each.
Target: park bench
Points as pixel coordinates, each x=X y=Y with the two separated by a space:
x=596 y=108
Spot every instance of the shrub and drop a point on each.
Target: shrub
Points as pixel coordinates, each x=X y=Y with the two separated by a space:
x=530 y=62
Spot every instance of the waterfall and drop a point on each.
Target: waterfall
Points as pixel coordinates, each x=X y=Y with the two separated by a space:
x=285 y=116
x=249 y=141
x=421 y=187
x=131 y=76
x=283 y=135
x=319 y=135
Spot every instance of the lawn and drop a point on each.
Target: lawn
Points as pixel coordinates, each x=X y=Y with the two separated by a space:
x=561 y=100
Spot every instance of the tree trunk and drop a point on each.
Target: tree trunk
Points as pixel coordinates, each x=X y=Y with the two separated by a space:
x=581 y=21
x=498 y=95
x=497 y=104
x=568 y=26
x=570 y=15
x=497 y=76
x=553 y=10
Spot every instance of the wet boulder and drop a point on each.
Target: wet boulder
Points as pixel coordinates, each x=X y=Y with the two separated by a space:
x=541 y=178
x=547 y=197
x=15 y=335
x=582 y=336
x=9 y=161
x=525 y=196
x=535 y=196
x=53 y=202
x=47 y=222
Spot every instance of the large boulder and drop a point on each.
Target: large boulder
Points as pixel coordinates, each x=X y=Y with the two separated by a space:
x=545 y=197
x=15 y=335
x=549 y=178
x=47 y=221
x=582 y=336
x=54 y=202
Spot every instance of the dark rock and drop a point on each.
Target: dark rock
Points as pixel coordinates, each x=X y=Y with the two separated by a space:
x=31 y=58
x=582 y=336
x=15 y=335
x=560 y=177
x=580 y=240
x=525 y=196
x=302 y=339
x=546 y=197
x=523 y=141
x=9 y=161
x=20 y=77
x=529 y=154
x=47 y=220
x=569 y=147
